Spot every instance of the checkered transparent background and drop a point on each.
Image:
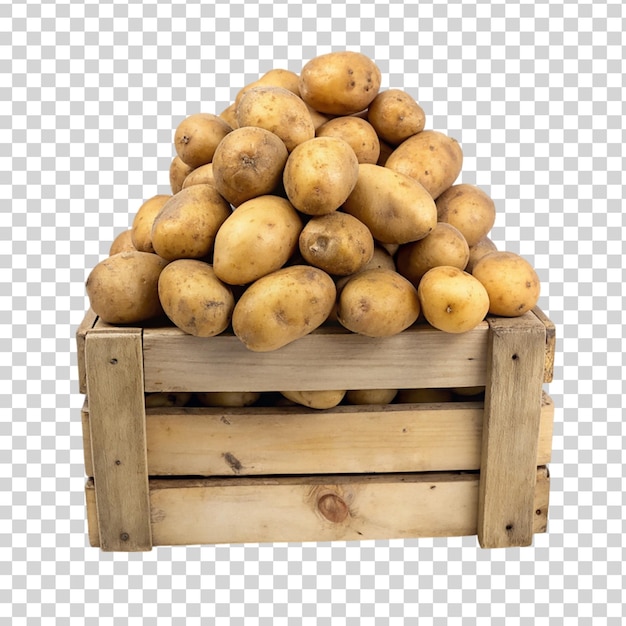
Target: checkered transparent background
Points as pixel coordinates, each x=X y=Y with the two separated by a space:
x=90 y=94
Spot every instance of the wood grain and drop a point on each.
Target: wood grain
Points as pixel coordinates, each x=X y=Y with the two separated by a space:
x=81 y=332
x=550 y=344
x=511 y=431
x=117 y=425
x=318 y=508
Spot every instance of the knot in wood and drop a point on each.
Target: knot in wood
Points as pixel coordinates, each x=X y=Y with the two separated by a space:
x=333 y=508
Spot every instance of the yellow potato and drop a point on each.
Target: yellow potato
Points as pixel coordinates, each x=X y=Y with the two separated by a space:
x=315 y=399
x=359 y=133
x=194 y=299
x=511 y=282
x=276 y=77
x=395 y=207
x=339 y=83
x=248 y=162
x=202 y=175
x=141 y=231
x=178 y=172
x=279 y=111
x=396 y=116
x=337 y=243
x=484 y=246
x=283 y=306
x=259 y=237
x=162 y=399
x=318 y=119
x=377 y=303
x=430 y=157
x=186 y=226
x=445 y=245
x=229 y=115
x=122 y=243
x=452 y=300
x=123 y=288
x=228 y=398
x=371 y=396
x=197 y=137
x=320 y=174
x=469 y=209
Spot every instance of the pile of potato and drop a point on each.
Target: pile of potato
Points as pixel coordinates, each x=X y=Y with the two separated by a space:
x=313 y=198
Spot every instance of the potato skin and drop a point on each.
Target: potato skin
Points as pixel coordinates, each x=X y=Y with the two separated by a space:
x=445 y=245
x=378 y=303
x=282 y=307
x=227 y=398
x=338 y=243
x=159 y=399
x=340 y=83
x=186 y=226
x=411 y=396
x=396 y=116
x=371 y=396
x=194 y=299
x=511 y=282
x=279 y=111
x=123 y=288
x=359 y=133
x=197 y=137
x=320 y=174
x=476 y=252
x=122 y=243
x=248 y=162
x=259 y=237
x=316 y=399
x=469 y=209
x=430 y=157
x=178 y=173
x=202 y=175
x=452 y=300
x=141 y=230
x=395 y=207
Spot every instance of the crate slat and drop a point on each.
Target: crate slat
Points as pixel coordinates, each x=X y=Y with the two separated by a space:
x=510 y=431
x=118 y=442
x=81 y=332
x=317 y=508
x=419 y=357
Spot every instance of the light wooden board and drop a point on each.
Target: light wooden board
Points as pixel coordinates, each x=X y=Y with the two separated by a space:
x=87 y=324
x=329 y=358
x=550 y=344
x=510 y=431
x=118 y=443
x=327 y=508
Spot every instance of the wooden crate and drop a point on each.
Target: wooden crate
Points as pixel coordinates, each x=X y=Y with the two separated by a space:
x=267 y=474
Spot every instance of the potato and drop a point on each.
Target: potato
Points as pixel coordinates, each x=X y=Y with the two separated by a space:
x=197 y=137
x=359 y=133
x=178 y=172
x=337 y=243
x=511 y=282
x=187 y=224
x=395 y=207
x=202 y=175
x=228 y=398
x=248 y=163
x=279 y=111
x=385 y=152
x=282 y=307
x=445 y=245
x=371 y=396
x=259 y=237
x=339 y=83
x=320 y=174
x=123 y=288
x=396 y=116
x=141 y=231
x=410 y=396
x=468 y=392
x=377 y=303
x=229 y=115
x=430 y=157
x=276 y=77
x=315 y=399
x=318 y=119
x=452 y=300
x=122 y=243
x=484 y=246
x=194 y=299
x=469 y=209
x=162 y=399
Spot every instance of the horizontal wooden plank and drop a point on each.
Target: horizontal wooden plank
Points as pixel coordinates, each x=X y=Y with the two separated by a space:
x=329 y=358
x=316 y=508
x=296 y=440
